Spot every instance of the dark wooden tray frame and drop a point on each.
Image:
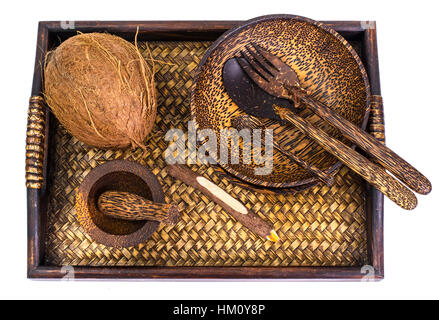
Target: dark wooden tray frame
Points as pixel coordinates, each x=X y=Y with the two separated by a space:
x=52 y=32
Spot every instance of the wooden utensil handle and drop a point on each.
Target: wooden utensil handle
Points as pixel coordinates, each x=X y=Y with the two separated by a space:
x=221 y=197
x=129 y=206
x=371 y=172
x=386 y=157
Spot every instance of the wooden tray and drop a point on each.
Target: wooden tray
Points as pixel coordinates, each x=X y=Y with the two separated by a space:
x=328 y=233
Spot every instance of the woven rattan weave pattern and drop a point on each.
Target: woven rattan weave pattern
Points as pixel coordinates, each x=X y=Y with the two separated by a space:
x=319 y=227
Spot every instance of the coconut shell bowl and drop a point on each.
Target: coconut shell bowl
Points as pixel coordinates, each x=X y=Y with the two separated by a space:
x=122 y=176
x=326 y=65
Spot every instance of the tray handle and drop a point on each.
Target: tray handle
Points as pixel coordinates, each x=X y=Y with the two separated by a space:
x=35 y=134
x=376 y=125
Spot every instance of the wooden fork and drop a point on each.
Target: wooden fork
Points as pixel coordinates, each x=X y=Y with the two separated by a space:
x=274 y=76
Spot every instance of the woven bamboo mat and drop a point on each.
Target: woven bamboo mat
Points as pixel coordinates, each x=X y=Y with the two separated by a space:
x=319 y=227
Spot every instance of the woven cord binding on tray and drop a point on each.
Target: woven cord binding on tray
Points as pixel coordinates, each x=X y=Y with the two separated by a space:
x=35 y=143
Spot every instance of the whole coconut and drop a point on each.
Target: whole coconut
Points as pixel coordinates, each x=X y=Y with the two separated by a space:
x=101 y=90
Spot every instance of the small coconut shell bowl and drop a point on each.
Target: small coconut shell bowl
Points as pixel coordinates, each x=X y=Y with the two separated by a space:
x=117 y=175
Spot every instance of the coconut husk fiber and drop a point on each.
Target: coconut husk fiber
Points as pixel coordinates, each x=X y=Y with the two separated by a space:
x=101 y=90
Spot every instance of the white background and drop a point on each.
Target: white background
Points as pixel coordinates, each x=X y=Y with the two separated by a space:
x=408 y=52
